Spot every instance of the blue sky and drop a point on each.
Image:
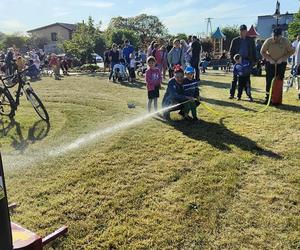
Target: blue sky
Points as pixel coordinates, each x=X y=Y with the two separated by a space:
x=186 y=16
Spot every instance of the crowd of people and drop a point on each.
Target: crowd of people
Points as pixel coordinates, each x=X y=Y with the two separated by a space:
x=183 y=91
x=182 y=61
x=34 y=61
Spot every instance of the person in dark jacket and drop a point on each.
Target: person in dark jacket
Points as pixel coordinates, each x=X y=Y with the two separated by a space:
x=245 y=47
x=9 y=61
x=175 y=95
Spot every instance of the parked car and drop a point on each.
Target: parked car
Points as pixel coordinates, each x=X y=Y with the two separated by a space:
x=98 y=58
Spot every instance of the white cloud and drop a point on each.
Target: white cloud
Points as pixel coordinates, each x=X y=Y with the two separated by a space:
x=12 y=25
x=97 y=4
x=170 y=6
x=188 y=16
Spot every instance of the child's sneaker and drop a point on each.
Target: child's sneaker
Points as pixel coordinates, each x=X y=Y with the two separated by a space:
x=239 y=98
x=231 y=97
x=188 y=118
x=195 y=119
x=181 y=112
x=250 y=99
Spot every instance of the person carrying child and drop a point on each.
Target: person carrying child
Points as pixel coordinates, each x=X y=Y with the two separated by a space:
x=241 y=72
x=153 y=81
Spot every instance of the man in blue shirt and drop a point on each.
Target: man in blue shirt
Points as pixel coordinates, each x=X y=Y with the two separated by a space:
x=127 y=50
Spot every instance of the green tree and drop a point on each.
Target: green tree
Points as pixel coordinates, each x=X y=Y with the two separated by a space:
x=118 y=36
x=230 y=32
x=86 y=39
x=36 y=42
x=207 y=45
x=182 y=36
x=147 y=27
x=18 y=40
x=294 y=27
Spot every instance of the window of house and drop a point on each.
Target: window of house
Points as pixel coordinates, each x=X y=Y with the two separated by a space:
x=54 y=36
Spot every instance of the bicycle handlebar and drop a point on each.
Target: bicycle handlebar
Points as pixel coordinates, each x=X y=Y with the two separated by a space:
x=11 y=77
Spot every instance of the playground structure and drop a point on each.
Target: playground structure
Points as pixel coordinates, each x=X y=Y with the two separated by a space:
x=252 y=32
x=218 y=39
x=13 y=236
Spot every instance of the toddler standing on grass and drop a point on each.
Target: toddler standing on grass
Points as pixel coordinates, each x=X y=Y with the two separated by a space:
x=242 y=71
x=153 y=81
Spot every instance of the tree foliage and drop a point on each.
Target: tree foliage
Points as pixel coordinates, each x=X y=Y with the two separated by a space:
x=86 y=39
x=294 y=27
x=182 y=36
x=207 y=45
x=147 y=27
x=230 y=32
x=36 y=42
x=118 y=36
x=18 y=40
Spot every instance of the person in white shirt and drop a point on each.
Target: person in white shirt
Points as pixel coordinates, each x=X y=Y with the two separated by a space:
x=295 y=44
x=297 y=66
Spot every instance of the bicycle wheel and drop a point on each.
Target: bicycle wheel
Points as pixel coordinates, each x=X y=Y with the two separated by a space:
x=37 y=104
x=6 y=103
x=288 y=82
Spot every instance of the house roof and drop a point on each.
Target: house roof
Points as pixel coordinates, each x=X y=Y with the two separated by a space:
x=67 y=26
x=218 y=34
x=252 y=32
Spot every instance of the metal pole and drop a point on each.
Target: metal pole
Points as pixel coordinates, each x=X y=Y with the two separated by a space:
x=5 y=229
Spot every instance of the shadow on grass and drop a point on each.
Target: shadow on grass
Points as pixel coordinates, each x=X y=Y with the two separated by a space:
x=38 y=131
x=291 y=108
x=232 y=104
x=219 y=136
x=136 y=84
x=223 y=85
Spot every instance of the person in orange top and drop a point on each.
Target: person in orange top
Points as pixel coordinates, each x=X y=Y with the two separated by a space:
x=20 y=63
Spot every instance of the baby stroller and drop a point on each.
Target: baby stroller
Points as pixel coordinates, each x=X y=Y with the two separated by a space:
x=141 y=69
x=119 y=72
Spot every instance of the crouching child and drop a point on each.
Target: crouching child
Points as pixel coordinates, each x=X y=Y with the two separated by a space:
x=191 y=89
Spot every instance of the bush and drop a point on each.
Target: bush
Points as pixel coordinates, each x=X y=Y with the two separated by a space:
x=90 y=67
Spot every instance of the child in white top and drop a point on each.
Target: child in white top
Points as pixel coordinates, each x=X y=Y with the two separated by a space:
x=132 y=68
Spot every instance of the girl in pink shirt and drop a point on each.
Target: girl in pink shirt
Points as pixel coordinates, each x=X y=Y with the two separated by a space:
x=153 y=82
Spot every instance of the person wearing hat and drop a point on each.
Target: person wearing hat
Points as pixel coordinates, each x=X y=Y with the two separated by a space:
x=191 y=88
x=245 y=47
x=276 y=50
x=175 y=95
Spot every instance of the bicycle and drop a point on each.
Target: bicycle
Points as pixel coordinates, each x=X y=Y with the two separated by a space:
x=292 y=80
x=9 y=105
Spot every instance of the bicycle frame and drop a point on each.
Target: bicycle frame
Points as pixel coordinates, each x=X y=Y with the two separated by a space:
x=21 y=84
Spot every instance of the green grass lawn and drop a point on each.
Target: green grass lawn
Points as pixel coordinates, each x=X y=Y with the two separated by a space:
x=226 y=182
